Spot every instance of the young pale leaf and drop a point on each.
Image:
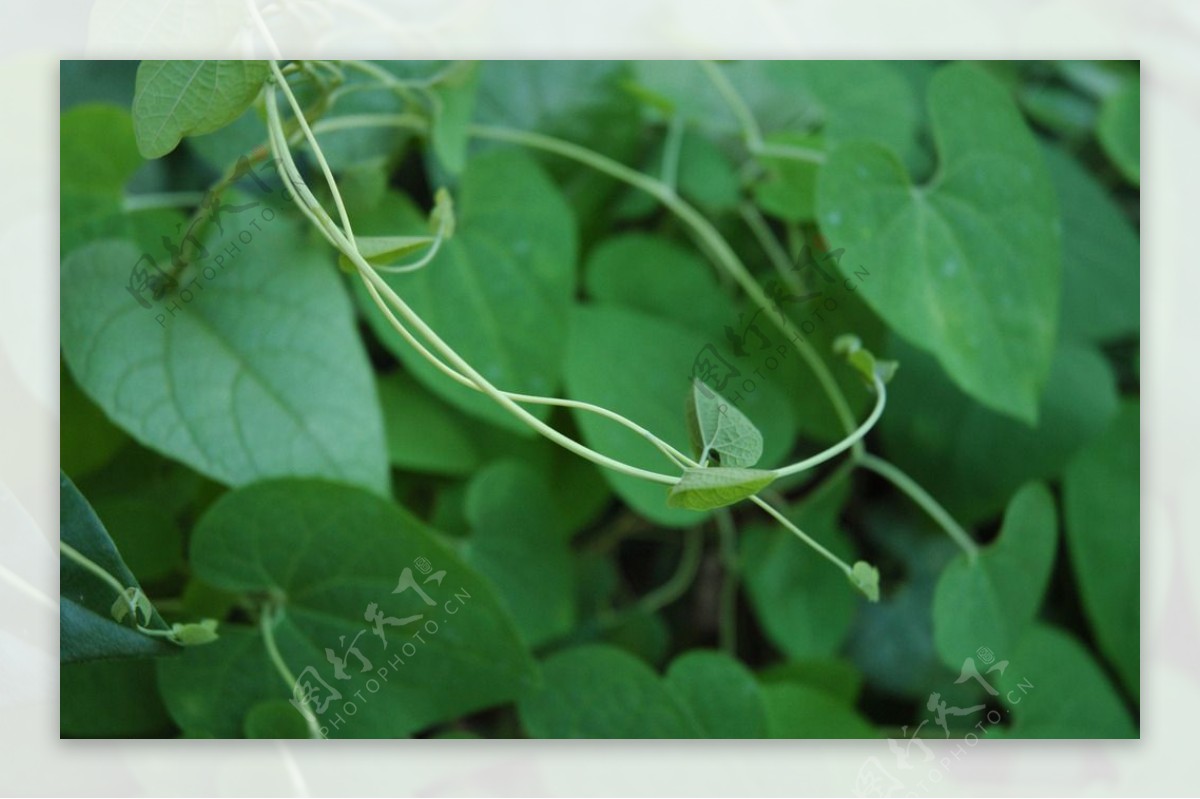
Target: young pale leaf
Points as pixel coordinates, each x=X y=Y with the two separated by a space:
x=717 y=486
x=865 y=578
x=385 y=250
x=992 y=600
x=716 y=425
x=966 y=267
x=173 y=99
x=349 y=570
x=202 y=632
x=863 y=361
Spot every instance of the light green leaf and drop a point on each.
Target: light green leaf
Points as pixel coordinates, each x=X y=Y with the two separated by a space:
x=1119 y=129
x=788 y=188
x=991 y=601
x=865 y=578
x=257 y=372
x=641 y=367
x=658 y=277
x=800 y=601
x=498 y=292
x=173 y=99
x=717 y=486
x=717 y=426
x=516 y=543
x=967 y=267
x=1054 y=689
x=977 y=458
x=385 y=250
x=864 y=362
x=334 y=557
x=720 y=693
x=598 y=691
x=423 y=434
x=1101 y=502
x=1101 y=289
x=89 y=629
x=456 y=95
x=798 y=711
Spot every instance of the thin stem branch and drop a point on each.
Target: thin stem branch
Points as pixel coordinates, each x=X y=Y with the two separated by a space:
x=922 y=498
x=846 y=443
x=779 y=517
x=269 y=617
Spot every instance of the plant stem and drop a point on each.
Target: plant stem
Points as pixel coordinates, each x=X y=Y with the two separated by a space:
x=727 y=619
x=267 y=619
x=849 y=441
x=94 y=568
x=779 y=517
x=922 y=498
x=771 y=246
x=718 y=248
x=685 y=574
x=751 y=132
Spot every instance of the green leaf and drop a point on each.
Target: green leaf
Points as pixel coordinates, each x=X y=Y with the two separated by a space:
x=259 y=374
x=498 y=292
x=385 y=250
x=721 y=694
x=145 y=532
x=798 y=711
x=87 y=440
x=800 y=601
x=1119 y=129
x=97 y=158
x=967 y=267
x=716 y=425
x=1054 y=689
x=640 y=367
x=1101 y=255
x=333 y=556
x=863 y=361
x=1101 y=502
x=992 y=600
x=837 y=678
x=174 y=99
x=788 y=188
x=516 y=544
x=865 y=578
x=654 y=275
x=598 y=691
x=717 y=486
x=977 y=458
x=423 y=434
x=111 y=699
x=88 y=630
x=450 y=126
x=275 y=719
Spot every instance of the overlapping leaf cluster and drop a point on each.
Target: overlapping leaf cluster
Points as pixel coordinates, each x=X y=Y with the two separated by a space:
x=259 y=446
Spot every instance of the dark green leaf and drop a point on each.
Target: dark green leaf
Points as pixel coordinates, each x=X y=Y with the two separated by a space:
x=1101 y=501
x=333 y=556
x=720 y=693
x=991 y=601
x=1119 y=129
x=798 y=711
x=601 y=692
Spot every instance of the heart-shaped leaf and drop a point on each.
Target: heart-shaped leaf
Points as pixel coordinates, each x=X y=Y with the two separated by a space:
x=991 y=600
x=349 y=573
x=966 y=267
x=253 y=369
x=717 y=425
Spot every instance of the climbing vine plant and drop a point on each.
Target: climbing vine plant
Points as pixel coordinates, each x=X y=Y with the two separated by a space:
x=398 y=392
